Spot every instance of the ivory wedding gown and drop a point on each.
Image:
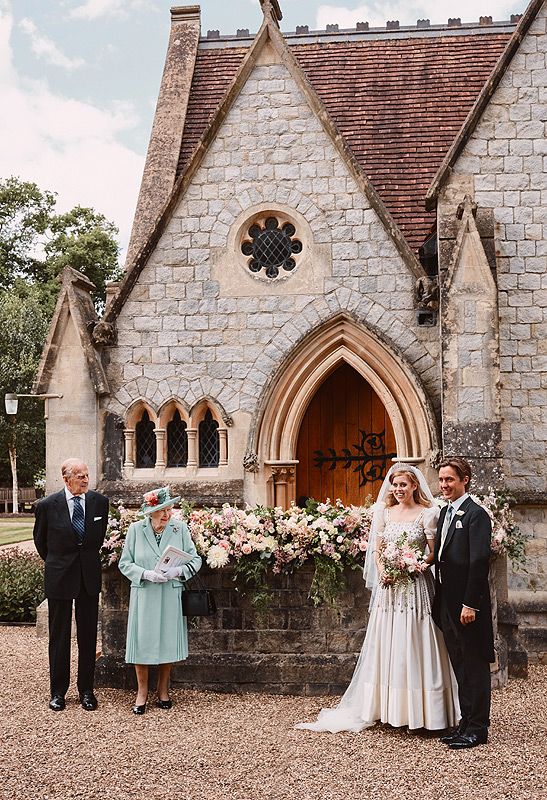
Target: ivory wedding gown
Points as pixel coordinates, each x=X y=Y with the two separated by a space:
x=403 y=675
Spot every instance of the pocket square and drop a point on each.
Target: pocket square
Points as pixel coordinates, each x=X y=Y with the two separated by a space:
x=96 y=519
x=459 y=524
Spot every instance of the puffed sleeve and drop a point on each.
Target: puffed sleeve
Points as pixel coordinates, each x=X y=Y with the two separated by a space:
x=379 y=518
x=431 y=518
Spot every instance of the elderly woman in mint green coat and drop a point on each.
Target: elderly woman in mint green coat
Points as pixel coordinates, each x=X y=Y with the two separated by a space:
x=156 y=627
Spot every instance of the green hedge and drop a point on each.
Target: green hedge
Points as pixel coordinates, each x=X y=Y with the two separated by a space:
x=21 y=585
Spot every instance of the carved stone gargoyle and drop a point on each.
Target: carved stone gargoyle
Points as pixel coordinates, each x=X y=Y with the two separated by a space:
x=427 y=293
x=104 y=334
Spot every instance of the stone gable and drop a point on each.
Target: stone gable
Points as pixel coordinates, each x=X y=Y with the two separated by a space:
x=198 y=323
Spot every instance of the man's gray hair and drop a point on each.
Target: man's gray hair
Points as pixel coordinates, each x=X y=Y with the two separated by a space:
x=70 y=466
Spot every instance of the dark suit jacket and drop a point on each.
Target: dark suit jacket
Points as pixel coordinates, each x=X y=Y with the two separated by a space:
x=463 y=569
x=68 y=564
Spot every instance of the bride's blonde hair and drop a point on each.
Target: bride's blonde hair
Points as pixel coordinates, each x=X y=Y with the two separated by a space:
x=418 y=495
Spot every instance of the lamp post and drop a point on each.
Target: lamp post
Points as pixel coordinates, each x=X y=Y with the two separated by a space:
x=11 y=402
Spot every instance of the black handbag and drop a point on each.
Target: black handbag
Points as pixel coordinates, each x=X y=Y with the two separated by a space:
x=198 y=602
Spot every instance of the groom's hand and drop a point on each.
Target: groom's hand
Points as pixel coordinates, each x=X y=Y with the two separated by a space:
x=468 y=615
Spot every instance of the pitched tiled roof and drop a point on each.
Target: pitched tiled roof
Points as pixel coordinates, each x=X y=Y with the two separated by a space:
x=399 y=103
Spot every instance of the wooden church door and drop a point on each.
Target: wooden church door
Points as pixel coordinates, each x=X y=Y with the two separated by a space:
x=346 y=442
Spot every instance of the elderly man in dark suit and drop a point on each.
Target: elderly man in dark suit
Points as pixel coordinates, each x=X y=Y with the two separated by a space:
x=462 y=600
x=69 y=530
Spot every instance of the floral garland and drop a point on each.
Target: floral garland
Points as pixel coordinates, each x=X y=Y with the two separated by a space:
x=330 y=535
x=253 y=540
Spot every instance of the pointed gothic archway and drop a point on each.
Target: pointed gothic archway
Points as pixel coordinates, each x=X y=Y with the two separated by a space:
x=341 y=341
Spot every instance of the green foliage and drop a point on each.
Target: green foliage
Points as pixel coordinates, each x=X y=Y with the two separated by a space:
x=87 y=242
x=250 y=576
x=23 y=326
x=328 y=581
x=36 y=243
x=21 y=585
x=25 y=213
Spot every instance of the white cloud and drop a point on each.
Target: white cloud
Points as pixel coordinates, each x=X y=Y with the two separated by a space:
x=46 y=48
x=94 y=9
x=66 y=145
x=377 y=12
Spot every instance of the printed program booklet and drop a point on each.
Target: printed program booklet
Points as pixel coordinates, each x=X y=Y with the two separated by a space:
x=172 y=557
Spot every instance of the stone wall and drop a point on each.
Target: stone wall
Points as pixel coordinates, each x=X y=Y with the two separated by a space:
x=505 y=164
x=294 y=648
x=533 y=521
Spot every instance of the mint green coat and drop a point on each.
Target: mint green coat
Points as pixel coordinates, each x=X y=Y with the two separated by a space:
x=156 y=627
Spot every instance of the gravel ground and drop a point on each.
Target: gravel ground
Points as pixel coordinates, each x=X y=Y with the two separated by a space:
x=231 y=747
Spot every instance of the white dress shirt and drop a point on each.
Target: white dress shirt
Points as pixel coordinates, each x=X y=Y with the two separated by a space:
x=70 y=501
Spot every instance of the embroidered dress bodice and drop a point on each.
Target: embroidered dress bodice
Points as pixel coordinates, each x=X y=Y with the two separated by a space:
x=418 y=596
x=415 y=530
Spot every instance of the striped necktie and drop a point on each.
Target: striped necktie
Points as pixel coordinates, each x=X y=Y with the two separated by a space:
x=78 y=521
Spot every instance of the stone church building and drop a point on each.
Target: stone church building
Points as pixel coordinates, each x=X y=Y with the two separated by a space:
x=338 y=258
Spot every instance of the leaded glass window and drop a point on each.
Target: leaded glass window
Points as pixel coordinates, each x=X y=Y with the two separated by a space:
x=271 y=247
x=177 y=442
x=209 y=443
x=145 y=437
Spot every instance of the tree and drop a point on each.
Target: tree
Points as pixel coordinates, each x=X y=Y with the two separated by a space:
x=36 y=243
x=23 y=326
x=25 y=214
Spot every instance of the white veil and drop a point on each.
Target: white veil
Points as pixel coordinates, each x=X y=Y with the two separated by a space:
x=370 y=573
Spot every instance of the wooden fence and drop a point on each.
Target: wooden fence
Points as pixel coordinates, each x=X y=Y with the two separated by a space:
x=27 y=496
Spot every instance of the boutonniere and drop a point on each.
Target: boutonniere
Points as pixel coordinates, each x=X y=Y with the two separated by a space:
x=459 y=524
x=460 y=513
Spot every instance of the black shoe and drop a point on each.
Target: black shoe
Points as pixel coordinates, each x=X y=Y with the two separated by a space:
x=139 y=709
x=57 y=703
x=467 y=740
x=164 y=703
x=88 y=701
x=448 y=738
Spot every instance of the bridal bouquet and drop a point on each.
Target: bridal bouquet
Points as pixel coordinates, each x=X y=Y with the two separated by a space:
x=400 y=562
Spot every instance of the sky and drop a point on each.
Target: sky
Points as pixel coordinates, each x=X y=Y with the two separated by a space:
x=79 y=81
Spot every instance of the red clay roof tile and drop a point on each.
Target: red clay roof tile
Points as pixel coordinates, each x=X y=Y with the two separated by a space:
x=399 y=103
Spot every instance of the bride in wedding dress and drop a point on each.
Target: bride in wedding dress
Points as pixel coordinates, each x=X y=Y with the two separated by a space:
x=403 y=675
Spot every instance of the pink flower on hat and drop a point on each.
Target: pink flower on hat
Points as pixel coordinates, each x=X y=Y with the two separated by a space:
x=151 y=499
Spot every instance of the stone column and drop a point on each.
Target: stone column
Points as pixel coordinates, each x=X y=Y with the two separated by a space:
x=161 y=446
x=129 y=438
x=284 y=482
x=192 y=434
x=223 y=446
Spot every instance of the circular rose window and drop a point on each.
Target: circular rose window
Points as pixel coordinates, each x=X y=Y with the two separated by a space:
x=271 y=247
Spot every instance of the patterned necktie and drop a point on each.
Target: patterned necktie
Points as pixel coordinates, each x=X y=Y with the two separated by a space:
x=78 y=521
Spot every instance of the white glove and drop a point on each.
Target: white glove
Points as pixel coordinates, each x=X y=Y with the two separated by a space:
x=172 y=572
x=153 y=577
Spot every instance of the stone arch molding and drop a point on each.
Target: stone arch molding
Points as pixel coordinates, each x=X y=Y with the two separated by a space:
x=316 y=316
x=229 y=266
x=252 y=200
x=343 y=340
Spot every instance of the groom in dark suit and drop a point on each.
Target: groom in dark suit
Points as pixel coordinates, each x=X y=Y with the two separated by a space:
x=69 y=530
x=461 y=608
